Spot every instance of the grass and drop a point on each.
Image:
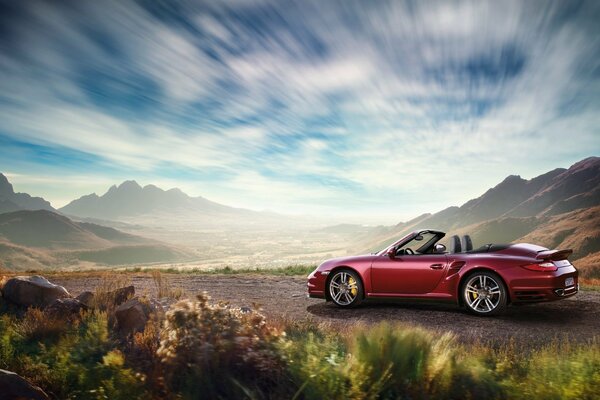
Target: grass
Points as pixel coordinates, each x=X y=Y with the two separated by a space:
x=201 y=349
x=291 y=270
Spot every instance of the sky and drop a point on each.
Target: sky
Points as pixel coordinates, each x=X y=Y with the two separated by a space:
x=367 y=110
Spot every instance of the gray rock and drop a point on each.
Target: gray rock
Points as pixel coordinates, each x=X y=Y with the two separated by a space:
x=86 y=298
x=133 y=315
x=114 y=297
x=34 y=291
x=65 y=308
x=14 y=387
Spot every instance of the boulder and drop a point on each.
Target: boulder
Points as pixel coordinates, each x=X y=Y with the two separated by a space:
x=14 y=387
x=114 y=297
x=86 y=298
x=34 y=291
x=133 y=315
x=65 y=308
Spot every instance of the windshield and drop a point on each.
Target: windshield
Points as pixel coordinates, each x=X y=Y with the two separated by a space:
x=419 y=244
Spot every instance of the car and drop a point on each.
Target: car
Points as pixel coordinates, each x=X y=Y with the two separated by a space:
x=419 y=266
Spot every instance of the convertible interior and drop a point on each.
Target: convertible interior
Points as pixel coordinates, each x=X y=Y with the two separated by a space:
x=428 y=242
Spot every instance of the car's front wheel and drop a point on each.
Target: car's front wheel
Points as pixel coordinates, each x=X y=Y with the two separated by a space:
x=484 y=294
x=345 y=288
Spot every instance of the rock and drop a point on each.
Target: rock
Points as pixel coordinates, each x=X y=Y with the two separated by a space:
x=35 y=291
x=65 y=308
x=14 y=387
x=86 y=298
x=134 y=313
x=114 y=297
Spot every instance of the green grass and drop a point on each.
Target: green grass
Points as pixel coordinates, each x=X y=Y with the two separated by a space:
x=211 y=350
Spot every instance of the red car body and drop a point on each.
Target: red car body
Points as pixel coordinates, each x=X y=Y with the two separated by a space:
x=530 y=273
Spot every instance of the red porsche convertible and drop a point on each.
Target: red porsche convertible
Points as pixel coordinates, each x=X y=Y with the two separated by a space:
x=484 y=280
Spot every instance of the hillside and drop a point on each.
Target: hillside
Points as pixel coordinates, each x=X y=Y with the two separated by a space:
x=559 y=209
x=11 y=201
x=46 y=229
x=41 y=238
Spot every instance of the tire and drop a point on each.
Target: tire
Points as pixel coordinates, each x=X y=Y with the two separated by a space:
x=484 y=294
x=345 y=288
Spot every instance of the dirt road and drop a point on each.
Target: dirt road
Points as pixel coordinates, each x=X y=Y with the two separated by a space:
x=577 y=318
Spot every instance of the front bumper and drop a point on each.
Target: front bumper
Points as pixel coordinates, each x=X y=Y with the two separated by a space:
x=316 y=284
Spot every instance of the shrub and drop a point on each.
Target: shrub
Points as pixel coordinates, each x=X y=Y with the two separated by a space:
x=79 y=363
x=220 y=350
x=37 y=325
x=386 y=362
x=558 y=372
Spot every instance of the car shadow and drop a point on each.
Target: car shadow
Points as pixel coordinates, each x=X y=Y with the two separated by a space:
x=556 y=313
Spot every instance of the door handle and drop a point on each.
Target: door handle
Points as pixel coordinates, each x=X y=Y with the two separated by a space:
x=436 y=266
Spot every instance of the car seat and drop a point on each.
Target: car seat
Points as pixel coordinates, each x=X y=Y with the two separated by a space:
x=454 y=244
x=466 y=243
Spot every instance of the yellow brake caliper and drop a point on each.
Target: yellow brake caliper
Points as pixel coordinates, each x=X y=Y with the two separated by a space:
x=352 y=284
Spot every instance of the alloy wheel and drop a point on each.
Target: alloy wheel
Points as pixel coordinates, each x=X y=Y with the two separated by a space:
x=484 y=294
x=344 y=288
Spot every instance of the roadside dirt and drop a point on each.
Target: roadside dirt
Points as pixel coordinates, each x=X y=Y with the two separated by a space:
x=576 y=318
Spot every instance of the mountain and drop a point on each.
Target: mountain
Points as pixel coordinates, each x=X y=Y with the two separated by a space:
x=11 y=201
x=129 y=199
x=41 y=237
x=560 y=208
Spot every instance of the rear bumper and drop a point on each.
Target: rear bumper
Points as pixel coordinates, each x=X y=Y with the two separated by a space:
x=551 y=286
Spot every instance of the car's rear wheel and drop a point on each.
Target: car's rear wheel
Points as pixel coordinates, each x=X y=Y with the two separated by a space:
x=484 y=294
x=345 y=288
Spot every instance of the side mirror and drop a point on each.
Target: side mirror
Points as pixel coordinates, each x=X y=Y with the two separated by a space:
x=391 y=253
x=439 y=249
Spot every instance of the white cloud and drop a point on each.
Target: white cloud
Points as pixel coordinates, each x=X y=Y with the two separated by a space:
x=371 y=101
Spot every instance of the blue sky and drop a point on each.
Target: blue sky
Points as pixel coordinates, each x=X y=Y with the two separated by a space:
x=370 y=111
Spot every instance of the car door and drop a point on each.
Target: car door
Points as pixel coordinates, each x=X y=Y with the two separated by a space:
x=407 y=274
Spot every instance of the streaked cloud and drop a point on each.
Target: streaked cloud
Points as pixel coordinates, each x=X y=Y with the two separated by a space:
x=370 y=108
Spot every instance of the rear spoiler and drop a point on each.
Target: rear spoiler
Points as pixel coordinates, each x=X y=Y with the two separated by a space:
x=554 y=255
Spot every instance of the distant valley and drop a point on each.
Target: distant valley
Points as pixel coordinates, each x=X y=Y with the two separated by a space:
x=130 y=224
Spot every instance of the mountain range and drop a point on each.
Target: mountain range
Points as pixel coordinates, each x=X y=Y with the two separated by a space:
x=152 y=206
x=558 y=209
x=130 y=199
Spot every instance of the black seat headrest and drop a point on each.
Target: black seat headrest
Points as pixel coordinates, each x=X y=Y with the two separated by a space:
x=454 y=244
x=466 y=243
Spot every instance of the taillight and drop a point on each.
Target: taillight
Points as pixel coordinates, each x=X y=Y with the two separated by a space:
x=545 y=266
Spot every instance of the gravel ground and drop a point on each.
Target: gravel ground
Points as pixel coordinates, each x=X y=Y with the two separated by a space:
x=576 y=318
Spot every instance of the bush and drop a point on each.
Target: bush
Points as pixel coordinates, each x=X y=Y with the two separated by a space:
x=204 y=350
x=222 y=351
x=79 y=363
x=386 y=362
x=558 y=372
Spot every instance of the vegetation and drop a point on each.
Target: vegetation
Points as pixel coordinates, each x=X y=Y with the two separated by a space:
x=201 y=349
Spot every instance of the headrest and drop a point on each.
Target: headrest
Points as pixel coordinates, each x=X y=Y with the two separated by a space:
x=466 y=243
x=454 y=244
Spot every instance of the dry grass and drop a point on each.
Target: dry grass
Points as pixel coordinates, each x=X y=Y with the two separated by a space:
x=164 y=288
x=37 y=325
x=590 y=283
x=104 y=294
